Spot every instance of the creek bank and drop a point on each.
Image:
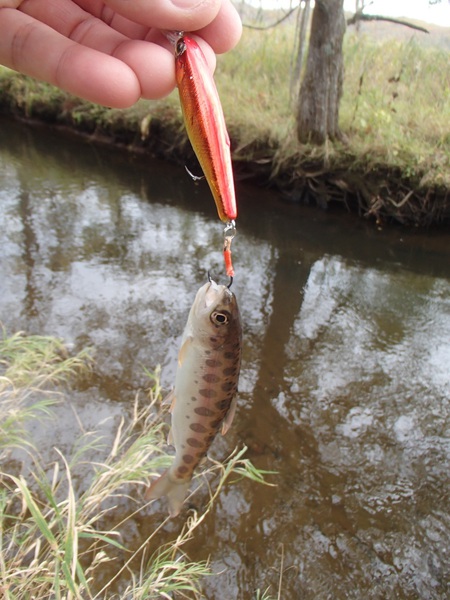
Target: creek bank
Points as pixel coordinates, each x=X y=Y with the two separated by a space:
x=313 y=176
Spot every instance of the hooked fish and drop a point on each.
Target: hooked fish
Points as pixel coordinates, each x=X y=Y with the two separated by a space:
x=204 y=397
x=205 y=123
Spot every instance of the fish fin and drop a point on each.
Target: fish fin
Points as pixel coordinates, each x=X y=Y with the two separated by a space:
x=184 y=348
x=170 y=437
x=176 y=492
x=226 y=423
x=169 y=399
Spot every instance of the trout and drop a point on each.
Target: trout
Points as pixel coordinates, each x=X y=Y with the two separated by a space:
x=204 y=396
x=205 y=123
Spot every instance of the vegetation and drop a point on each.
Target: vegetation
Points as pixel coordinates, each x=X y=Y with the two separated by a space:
x=394 y=161
x=53 y=542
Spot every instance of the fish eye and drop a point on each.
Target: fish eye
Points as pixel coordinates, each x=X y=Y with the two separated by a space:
x=220 y=318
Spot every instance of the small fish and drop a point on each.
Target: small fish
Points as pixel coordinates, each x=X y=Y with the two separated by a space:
x=204 y=397
x=205 y=123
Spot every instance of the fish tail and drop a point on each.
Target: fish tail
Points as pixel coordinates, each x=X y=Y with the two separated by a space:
x=176 y=491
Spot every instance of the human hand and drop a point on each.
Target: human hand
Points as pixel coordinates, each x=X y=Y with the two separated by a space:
x=110 y=52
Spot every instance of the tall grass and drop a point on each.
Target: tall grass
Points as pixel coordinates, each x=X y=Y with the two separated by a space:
x=395 y=108
x=396 y=104
x=54 y=542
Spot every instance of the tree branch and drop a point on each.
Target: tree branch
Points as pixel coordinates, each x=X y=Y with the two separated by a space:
x=362 y=17
x=263 y=27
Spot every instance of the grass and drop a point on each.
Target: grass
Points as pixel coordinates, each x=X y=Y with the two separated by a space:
x=395 y=109
x=53 y=540
x=396 y=106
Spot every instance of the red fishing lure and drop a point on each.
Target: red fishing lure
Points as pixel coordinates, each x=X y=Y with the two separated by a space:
x=205 y=123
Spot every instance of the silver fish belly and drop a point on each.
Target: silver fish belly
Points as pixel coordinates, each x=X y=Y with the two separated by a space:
x=204 y=397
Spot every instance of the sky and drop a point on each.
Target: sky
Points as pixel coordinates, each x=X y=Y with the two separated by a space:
x=414 y=9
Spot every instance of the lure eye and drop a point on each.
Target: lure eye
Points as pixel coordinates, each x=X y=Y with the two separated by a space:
x=220 y=318
x=180 y=47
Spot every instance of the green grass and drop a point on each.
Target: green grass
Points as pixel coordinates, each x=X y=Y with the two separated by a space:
x=53 y=539
x=395 y=108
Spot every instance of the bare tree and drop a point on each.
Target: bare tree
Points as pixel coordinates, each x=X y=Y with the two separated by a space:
x=321 y=88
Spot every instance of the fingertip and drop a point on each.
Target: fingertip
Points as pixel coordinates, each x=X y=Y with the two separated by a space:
x=224 y=33
x=97 y=78
x=153 y=65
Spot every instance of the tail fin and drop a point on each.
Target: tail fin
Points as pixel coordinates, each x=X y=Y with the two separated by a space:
x=175 y=491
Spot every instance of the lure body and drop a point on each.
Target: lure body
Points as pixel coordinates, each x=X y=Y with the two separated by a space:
x=204 y=397
x=205 y=124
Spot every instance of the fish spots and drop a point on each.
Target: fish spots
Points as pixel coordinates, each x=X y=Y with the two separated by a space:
x=208 y=393
x=194 y=443
x=198 y=428
x=203 y=411
x=229 y=355
x=213 y=363
x=211 y=378
x=182 y=470
x=188 y=458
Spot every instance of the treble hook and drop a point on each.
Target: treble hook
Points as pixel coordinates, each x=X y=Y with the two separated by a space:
x=228 y=286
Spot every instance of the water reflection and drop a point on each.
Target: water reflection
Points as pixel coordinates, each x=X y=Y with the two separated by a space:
x=345 y=385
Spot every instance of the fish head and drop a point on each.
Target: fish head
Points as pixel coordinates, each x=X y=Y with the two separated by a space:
x=215 y=313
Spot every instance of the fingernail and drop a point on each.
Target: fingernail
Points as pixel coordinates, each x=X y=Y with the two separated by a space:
x=187 y=3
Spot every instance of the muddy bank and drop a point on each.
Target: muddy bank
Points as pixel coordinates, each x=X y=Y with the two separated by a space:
x=380 y=193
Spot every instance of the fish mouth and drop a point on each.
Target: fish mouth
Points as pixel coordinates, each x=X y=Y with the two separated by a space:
x=216 y=294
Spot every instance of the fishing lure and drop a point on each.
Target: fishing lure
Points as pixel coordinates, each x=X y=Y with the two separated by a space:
x=207 y=132
x=205 y=123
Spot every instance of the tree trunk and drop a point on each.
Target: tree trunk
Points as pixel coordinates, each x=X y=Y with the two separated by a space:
x=321 y=89
x=301 y=31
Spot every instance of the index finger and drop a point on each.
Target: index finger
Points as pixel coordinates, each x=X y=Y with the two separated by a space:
x=33 y=48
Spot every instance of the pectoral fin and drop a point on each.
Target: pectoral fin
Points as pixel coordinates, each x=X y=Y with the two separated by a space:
x=226 y=423
x=170 y=437
x=169 y=400
x=183 y=350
